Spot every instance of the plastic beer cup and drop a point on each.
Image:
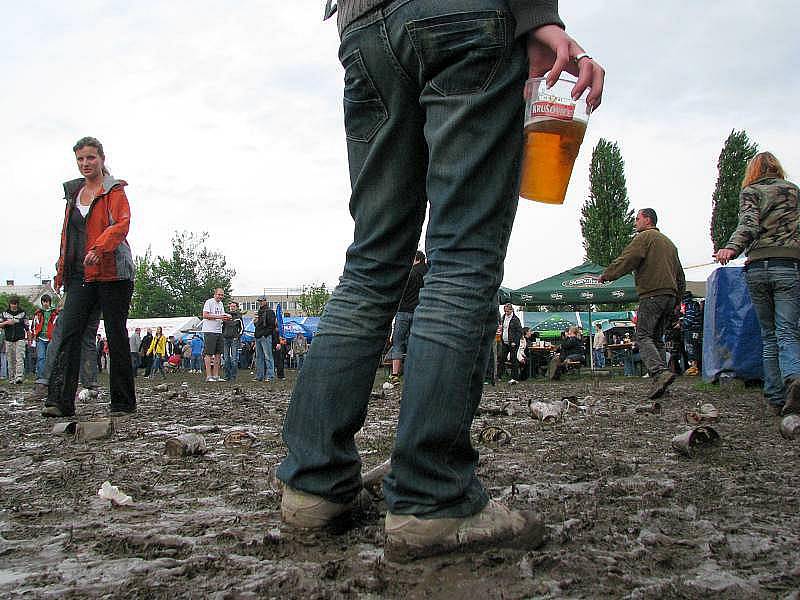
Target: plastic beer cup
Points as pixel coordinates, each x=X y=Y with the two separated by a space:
x=554 y=128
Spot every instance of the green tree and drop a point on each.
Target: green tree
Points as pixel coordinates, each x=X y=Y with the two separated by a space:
x=606 y=216
x=178 y=285
x=313 y=299
x=24 y=304
x=733 y=159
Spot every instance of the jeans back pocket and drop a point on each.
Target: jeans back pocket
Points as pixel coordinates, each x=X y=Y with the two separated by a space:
x=364 y=110
x=459 y=53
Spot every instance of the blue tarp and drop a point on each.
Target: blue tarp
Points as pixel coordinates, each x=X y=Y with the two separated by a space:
x=731 y=335
x=291 y=327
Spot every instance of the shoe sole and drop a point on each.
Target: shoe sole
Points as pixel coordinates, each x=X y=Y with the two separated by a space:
x=659 y=391
x=530 y=539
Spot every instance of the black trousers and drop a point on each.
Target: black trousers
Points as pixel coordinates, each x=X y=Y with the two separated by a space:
x=114 y=299
x=278 y=358
x=509 y=350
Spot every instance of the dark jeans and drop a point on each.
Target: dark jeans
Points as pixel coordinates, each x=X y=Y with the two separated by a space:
x=775 y=293
x=509 y=359
x=230 y=357
x=433 y=117
x=113 y=299
x=656 y=314
x=135 y=363
x=88 y=368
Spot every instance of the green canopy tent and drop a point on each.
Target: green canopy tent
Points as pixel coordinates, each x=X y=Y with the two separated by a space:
x=504 y=295
x=578 y=285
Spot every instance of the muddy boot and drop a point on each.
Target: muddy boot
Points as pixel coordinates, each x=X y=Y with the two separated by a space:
x=39 y=392
x=409 y=538
x=660 y=383
x=308 y=511
x=792 y=405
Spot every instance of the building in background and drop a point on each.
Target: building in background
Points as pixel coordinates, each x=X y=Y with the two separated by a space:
x=33 y=293
x=286 y=297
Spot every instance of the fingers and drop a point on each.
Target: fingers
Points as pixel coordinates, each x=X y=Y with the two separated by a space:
x=560 y=63
x=590 y=75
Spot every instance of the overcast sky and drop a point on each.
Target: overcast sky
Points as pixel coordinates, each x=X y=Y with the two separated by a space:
x=226 y=118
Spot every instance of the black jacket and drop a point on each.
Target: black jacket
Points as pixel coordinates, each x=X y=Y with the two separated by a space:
x=145 y=345
x=514 y=329
x=571 y=346
x=414 y=284
x=16 y=331
x=265 y=322
x=233 y=328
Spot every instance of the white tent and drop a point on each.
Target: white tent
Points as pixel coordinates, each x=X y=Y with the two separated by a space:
x=169 y=325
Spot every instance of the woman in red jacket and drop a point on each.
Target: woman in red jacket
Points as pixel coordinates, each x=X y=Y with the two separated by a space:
x=96 y=268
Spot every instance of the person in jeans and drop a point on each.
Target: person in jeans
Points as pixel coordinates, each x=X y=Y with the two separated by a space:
x=299 y=349
x=433 y=101
x=197 y=354
x=96 y=268
x=158 y=350
x=405 y=314
x=134 y=341
x=660 y=283
x=44 y=320
x=15 y=324
x=767 y=232
x=599 y=347
x=231 y=336
x=265 y=324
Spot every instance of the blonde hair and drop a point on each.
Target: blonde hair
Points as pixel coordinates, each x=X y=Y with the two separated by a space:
x=763 y=164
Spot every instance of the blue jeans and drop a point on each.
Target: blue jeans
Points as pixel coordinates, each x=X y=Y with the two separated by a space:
x=41 y=356
x=158 y=365
x=433 y=116
x=197 y=362
x=599 y=357
x=402 y=328
x=230 y=357
x=265 y=363
x=775 y=293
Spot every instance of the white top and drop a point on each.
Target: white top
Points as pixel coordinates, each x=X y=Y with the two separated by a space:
x=215 y=308
x=83 y=209
x=506 y=323
x=599 y=339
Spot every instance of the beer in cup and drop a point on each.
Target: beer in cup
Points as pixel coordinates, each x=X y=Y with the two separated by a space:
x=554 y=129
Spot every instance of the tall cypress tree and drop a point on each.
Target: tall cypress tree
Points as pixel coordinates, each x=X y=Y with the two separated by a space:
x=607 y=218
x=736 y=152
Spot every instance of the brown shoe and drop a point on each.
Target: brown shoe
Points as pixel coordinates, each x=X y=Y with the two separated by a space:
x=409 y=537
x=56 y=411
x=660 y=384
x=792 y=405
x=39 y=392
x=308 y=511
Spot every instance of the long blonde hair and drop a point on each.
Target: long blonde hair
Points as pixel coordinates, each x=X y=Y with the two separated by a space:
x=763 y=164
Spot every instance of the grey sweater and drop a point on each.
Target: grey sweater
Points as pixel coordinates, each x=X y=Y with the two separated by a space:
x=529 y=14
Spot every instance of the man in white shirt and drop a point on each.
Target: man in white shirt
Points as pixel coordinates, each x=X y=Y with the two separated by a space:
x=213 y=316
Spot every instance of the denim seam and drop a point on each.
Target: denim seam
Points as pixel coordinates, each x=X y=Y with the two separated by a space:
x=393 y=60
x=465 y=415
x=359 y=60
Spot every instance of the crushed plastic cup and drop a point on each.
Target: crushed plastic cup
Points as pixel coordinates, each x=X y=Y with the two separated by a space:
x=113 y=493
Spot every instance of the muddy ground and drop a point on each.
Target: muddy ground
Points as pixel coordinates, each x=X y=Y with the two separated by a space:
x=626 y=515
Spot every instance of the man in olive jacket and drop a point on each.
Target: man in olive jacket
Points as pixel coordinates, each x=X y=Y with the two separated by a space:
x=660 y=282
